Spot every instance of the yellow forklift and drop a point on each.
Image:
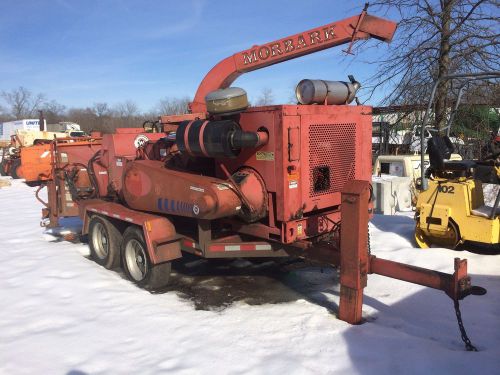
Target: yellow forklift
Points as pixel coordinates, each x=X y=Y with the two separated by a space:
x=450 y=207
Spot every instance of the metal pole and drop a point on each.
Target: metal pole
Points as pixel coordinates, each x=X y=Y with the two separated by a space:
x=494 y=208
x=422 y=136
x=452 y=115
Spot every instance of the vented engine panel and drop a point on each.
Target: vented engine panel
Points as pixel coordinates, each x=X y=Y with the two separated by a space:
x=313 y=151
x=331 y=157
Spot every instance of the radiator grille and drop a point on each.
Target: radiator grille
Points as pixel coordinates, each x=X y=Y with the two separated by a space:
x=331 y=157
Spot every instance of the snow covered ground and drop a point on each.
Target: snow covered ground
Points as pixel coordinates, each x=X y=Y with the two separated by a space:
x=61 y=313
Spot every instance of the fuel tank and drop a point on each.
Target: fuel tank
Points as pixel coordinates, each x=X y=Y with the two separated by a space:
x=149 y=186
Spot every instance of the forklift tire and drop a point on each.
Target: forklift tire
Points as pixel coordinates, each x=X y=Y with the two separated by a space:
x=14 y=168
x=138 y=266
x=33 y=183
x=420 y=238
x=2 y=168
x=104 y=242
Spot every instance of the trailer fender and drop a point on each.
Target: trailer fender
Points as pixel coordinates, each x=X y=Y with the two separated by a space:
x=162 y=242
x=160 y=236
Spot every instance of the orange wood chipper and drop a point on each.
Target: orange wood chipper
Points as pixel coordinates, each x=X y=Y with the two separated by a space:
x=231 y=181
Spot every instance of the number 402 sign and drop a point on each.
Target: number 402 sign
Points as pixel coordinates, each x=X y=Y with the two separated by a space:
x=446 y=189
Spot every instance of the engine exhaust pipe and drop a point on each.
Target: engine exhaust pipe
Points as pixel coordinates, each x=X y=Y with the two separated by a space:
x=318 y=91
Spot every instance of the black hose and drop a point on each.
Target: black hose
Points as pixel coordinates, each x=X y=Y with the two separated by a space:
x=92 y=177
x=241 y=139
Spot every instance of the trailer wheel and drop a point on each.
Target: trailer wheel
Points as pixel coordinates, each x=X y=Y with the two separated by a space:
x=104 y=242
x=138 y=266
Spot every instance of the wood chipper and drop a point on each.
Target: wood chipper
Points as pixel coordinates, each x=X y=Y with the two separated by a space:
x=231 y=181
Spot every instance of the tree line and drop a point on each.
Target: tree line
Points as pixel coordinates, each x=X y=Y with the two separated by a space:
x=22 y=103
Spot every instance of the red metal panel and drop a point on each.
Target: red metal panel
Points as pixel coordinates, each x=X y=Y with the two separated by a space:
x=36 y=162
x=119 y=148
x=336 y=137
x=264 y=159
x=291 y=189
x=310 y=226
x=336 y=144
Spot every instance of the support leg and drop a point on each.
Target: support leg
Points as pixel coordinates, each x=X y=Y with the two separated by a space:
x=53 y=204
x=353 y=250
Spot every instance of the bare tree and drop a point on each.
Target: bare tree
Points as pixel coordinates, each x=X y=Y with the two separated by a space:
x=292 y=97
x=127 y=109
x=266 y=97
x=4 y=116
x=53 y=111
x=83 y=116
x=434 y=39
x=101 y=109
x=171 y=106
x=22 y=102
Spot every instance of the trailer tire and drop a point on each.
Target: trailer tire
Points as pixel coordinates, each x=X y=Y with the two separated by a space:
x=137 y=264
x=104 y=242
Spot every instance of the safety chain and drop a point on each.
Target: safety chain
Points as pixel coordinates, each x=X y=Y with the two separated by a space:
x=370 y=199
x=465 y=338
x=369 y=244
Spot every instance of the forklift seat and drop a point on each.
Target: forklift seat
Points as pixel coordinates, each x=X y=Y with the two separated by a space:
x=485 y=211
x=459 y=165
x=440 y=148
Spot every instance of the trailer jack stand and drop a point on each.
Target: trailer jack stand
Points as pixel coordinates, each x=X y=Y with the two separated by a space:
x=356 y=262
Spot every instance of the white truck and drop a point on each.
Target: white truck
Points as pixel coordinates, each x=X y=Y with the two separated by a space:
x=71 y=129
x=7 y=129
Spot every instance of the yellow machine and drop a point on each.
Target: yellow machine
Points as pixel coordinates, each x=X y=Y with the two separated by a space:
x=452 y=209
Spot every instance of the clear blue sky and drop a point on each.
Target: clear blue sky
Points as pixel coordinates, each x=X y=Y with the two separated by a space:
x=81 y=52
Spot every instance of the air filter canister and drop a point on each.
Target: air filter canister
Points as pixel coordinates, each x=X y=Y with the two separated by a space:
x=226 y=101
